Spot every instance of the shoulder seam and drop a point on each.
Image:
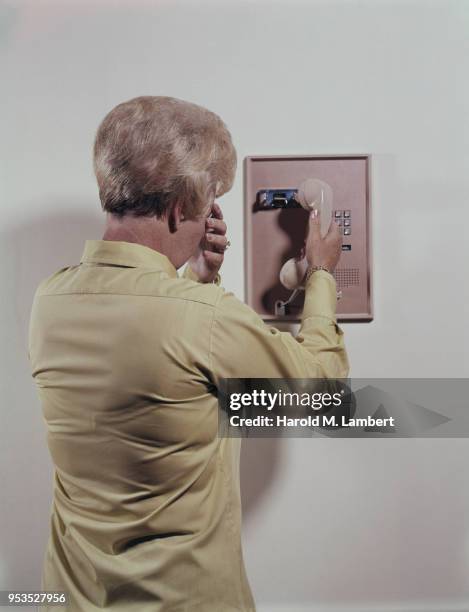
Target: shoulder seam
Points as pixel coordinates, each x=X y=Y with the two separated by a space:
x=216 y=305
x=152 y=295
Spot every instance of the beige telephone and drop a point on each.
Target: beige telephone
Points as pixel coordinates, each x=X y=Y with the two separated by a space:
x=275 y=232
x=311 y=194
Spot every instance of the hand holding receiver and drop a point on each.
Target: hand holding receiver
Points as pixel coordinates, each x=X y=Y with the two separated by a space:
x=322 y=251
x=316 y=196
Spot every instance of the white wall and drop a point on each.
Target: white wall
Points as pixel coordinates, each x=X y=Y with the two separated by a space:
x=329 y=524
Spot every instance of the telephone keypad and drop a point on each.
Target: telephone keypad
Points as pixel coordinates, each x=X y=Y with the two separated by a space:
x=343 y=218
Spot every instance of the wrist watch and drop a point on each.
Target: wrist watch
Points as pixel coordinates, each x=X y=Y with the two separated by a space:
x=311 y=270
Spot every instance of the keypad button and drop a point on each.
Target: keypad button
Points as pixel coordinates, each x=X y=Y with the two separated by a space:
x=339 y=222
x=347 y=222
x=346 y=213
x=338 y=213
x=347 y=231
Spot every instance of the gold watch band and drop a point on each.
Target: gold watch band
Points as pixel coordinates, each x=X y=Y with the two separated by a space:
x=312 y=269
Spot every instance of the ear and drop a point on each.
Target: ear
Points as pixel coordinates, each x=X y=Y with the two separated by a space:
x=175 y=217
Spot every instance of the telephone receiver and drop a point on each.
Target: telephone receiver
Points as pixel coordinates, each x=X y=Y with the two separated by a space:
x=311 y=194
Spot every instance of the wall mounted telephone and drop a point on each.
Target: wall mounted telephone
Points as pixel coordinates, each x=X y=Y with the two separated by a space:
x=280 y=192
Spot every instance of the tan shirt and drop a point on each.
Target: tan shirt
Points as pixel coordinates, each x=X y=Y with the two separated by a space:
x=127 y=357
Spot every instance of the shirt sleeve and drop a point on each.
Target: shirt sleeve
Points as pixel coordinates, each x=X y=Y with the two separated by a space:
x=243 y=346
x=188 y=273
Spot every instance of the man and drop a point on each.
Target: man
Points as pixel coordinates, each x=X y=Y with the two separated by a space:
x=128 y=356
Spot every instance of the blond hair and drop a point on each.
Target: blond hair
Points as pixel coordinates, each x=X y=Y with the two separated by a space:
x=153 y=151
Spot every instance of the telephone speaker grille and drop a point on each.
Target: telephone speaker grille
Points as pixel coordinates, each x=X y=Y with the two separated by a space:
x=347 y=277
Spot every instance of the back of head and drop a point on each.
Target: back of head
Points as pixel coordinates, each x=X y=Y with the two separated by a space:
x=153 y=151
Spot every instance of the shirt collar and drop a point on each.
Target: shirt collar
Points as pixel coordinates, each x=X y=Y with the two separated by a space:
x=128 y=254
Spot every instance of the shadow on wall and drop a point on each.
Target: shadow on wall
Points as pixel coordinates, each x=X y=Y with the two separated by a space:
x=260 y=460
x=31 y=251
